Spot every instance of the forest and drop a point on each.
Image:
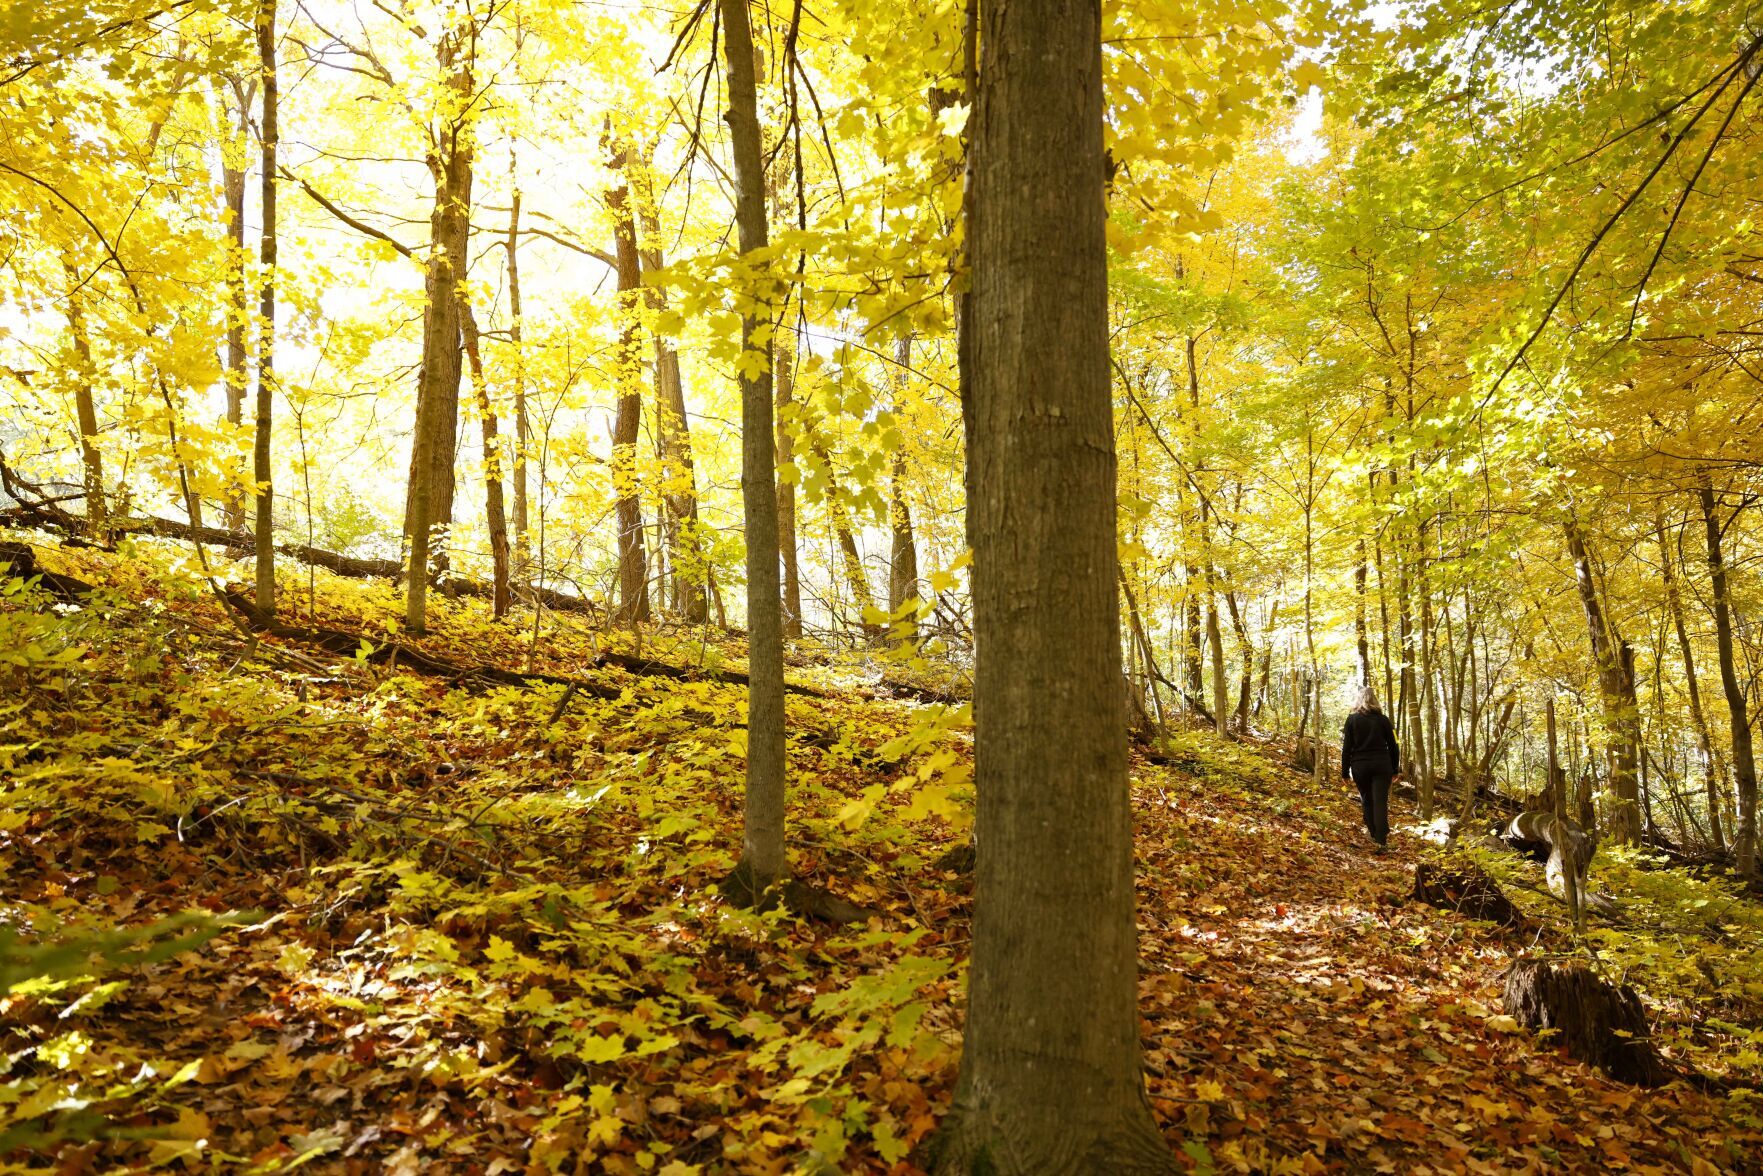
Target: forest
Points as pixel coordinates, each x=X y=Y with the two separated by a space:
x=937 y=587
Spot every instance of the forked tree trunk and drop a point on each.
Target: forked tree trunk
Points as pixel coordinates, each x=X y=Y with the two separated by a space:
x=85 y=406
x=1413 y=732
x=679 y=492
x=522 y=425
x=763 y=861
x=1051 y=1079
x=903 y=556
x=633 y=571
x=784 y=365
x=1571 y=890
x=1194 y=654
x=1361 y=632
x=429 y=503
x=1616 y=685
x=1220 y=673
x=1698 y=717
x=850 y=558
x=260 y=464
x=1744 y=764
x=495 y=516
x=232 y=172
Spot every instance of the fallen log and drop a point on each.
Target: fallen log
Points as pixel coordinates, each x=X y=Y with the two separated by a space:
x=43 y=515
x=346 y=644
x=1561 y=845
x=20 y=560
x=1467 y=889
x=1599 y=1023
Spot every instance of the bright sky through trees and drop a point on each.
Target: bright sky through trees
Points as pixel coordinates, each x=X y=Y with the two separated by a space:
x=403 y=580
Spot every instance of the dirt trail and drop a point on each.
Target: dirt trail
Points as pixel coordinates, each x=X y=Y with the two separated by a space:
x=1303 y=1014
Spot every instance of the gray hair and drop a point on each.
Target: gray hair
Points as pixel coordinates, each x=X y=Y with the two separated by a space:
x=1367 y=700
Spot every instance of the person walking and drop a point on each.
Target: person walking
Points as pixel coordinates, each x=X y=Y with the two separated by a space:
x=1371 y=759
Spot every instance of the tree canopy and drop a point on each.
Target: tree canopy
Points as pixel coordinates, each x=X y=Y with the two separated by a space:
x=557 y=535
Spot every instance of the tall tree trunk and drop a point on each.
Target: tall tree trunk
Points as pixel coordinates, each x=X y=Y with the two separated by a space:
x=679 y=492
x=85 y=406
x=633 y=571
x=1194 y=656
x=1051 y=1079
x=1744 y=764
x=1390 y=697
x=763 y=861
x=1698 y=718
x=1558 y=802
x=429 y=503
x=260 y=466
x=903 y=557
x=1246 y=649
x=784 y=364
x=232 y=171
x=1610 y=655
x=495 y=516
x=1428 y=693
x=1413 y=731
x=522 y=424
x=1220 y=677
x=1361 y=632
x=851 y=559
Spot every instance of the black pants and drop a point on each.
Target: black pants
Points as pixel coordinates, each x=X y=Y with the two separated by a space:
x=1374 y=798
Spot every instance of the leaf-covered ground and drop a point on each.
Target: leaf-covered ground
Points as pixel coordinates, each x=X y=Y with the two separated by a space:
x=481 y=933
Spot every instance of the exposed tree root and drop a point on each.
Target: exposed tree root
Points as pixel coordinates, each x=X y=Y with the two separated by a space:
x=741 y=889
x=971 y=1142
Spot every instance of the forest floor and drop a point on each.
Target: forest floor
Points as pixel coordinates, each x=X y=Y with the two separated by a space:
x=482 y=934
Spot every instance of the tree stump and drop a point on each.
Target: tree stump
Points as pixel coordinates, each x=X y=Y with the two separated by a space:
x=1466 y=889
x=1599 y=1023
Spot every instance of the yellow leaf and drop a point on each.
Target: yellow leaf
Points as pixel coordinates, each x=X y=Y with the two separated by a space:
x=1309 y=74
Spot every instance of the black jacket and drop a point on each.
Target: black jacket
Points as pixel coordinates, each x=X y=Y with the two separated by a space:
x=1369 y=741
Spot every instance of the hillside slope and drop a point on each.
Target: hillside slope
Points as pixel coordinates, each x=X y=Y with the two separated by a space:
x=481 y=934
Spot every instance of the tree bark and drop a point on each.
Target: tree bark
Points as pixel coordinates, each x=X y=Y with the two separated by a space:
x=1698 y=717
x=522 y=425
x=232 y=171
x=1617 y=687
x=85 y=407
x=633 y=571
x=903 y=556
x=495 y=515
x=1051 y=1079
x=260 y=463
x=1558 y=803
x=1744 y=764
x=784 y=365
x=679 y=493
x=763 y=862
x=850 y=558
x=430 y=499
